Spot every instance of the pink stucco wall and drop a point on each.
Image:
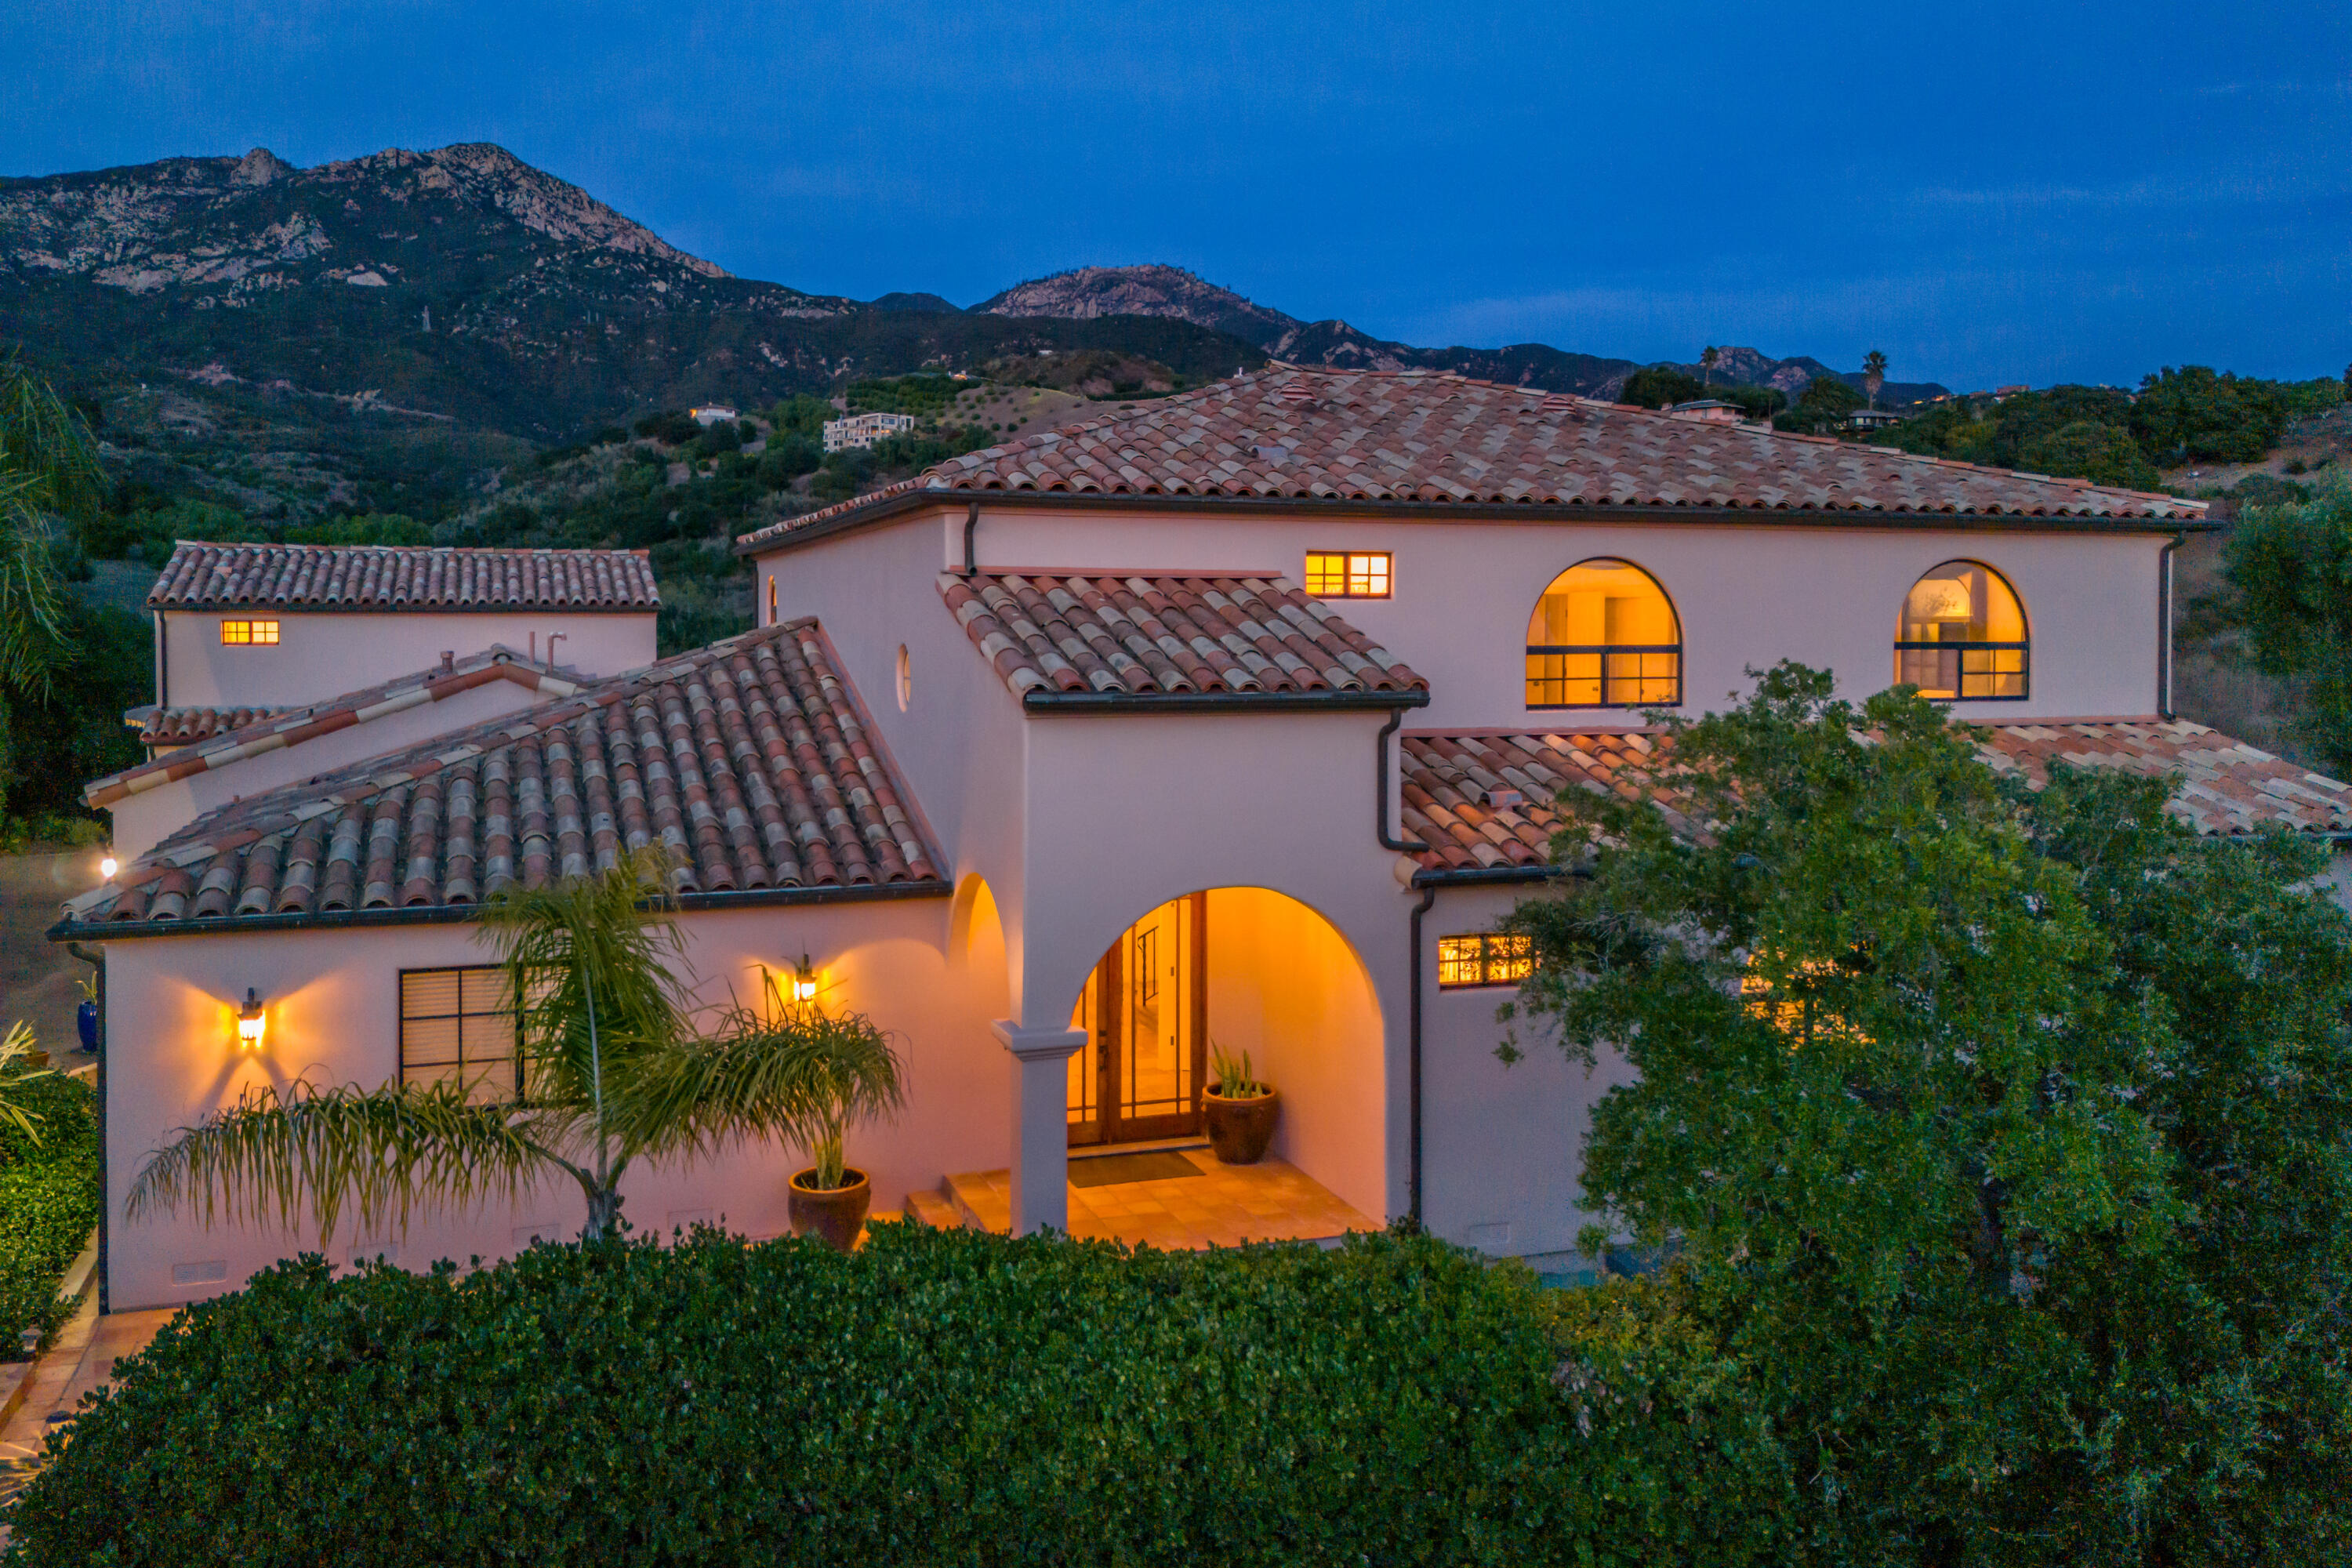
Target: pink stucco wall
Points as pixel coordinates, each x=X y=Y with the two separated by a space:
x=333 y=1000
x=321 y=655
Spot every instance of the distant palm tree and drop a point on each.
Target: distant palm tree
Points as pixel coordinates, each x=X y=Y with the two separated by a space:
x=611 y=1073
x=48 y=473
x=1708 y=358
x=1873 y=375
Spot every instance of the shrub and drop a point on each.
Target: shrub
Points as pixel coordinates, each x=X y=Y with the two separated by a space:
x=937 y=1398
x=48 y=1202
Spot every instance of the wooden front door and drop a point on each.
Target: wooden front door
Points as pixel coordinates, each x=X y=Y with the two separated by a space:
x=1146 y=1009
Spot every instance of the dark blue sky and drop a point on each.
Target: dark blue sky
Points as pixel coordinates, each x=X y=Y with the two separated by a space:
x=1989 y=192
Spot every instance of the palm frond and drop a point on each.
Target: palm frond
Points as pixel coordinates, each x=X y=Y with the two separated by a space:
x=801 y=1078
x=376 y=1154
x=15 y=1047
x=32 y=606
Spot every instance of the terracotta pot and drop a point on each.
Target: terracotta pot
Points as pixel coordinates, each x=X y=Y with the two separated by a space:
x=836 y=1215
x=1239 y=1130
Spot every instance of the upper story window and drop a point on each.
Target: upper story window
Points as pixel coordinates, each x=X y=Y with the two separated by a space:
x=1350 y=574
x=1604 y=636
x=771 y=598
x=1488 y=958
x=460 y=1024
x=249 y=633
x=1961 y=636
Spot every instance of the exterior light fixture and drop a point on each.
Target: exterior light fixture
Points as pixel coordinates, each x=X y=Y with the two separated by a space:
x=251 y=1022
x=108 y=866
x=804 y=981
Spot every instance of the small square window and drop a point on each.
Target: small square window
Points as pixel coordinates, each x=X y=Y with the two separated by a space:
x=460 y=1025
x=249 y=633
x=1348 y=573
x=1487 y=958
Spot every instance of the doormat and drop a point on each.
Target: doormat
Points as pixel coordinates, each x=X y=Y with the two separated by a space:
x=1118 y=1170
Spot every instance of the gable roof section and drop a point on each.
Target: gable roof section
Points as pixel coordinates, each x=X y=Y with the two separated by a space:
x=749 y=759
x=1137 y=641
x=1451 y=782
x=220 y=736
x=356 y=577
x=1426 y=439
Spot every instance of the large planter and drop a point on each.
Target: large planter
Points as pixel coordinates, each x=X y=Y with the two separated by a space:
x=86 y=1023
x=1239 y=1130
x=835 y=1213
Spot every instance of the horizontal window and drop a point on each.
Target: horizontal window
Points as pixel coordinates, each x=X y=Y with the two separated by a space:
x=1348 y=574
x=1487 y=958
x=249 y=633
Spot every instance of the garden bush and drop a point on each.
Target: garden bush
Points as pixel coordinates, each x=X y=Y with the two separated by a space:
x=940 y=1397
x=49 y=1202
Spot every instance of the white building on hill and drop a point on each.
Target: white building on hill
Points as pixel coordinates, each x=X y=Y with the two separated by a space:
x=864 y=429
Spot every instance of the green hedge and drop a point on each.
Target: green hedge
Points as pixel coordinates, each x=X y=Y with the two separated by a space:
x=48 y=1204
x=941 y=1398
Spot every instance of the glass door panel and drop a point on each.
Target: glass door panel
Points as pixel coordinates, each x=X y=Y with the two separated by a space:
x=1145 y=1008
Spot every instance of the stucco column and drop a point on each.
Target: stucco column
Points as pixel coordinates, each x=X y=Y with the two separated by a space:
x=1041 y=1128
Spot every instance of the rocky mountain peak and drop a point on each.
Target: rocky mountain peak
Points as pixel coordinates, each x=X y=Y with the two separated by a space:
x=259 y=167
x=1153 y=288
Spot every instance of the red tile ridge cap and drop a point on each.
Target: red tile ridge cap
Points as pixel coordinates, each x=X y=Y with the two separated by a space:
x=292 y=726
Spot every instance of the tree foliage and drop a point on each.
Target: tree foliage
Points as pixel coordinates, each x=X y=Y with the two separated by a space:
x=2290 y=573
x=1998 y=1135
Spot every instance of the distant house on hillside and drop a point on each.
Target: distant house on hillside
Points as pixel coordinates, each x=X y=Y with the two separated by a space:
x=1872 y=419
x=864 y=429
x=711 y=414
x=1712 y=409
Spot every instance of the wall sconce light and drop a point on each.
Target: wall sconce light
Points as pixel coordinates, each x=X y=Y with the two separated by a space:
x=107 y=867
x=805 y=982
x=251 y=1022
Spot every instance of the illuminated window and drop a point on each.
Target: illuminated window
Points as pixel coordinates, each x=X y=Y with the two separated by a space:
x=1603 y=635
x=1487 y=959
x=249 y=633
x=1961 y=636
x=460 y=1025
x=1348 y=573
x=771 y=598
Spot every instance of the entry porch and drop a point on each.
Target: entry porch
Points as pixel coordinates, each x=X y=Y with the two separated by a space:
x=1177 y=1199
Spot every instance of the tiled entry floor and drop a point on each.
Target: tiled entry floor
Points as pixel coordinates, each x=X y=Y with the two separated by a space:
x=1224 y=1206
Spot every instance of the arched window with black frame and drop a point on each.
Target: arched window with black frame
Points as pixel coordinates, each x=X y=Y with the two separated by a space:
x=1961 y=636
x=1604 y=635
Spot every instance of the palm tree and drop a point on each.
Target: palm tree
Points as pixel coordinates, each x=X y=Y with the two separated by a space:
x=1873 y=375
x=15 y=1049
x=1708 y=357
x=48 y=471
x=611 y=1072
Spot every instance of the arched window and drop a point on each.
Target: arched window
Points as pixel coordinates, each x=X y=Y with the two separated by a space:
x=1961 y=636
x=1603 y=635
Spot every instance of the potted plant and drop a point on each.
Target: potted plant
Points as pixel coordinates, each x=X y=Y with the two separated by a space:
x=86 y=1015
x=1239 y=1108
x=859 y=1078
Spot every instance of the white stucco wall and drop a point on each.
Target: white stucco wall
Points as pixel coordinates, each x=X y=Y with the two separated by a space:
x=332 y=1001
x=143 y=820
x=1746 y=595
x=320 y=655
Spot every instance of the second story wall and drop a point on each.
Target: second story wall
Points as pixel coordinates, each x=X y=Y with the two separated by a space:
x=322 y=654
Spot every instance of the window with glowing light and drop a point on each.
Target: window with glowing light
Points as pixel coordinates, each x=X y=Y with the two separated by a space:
x=1350 y=574
x=249 y=633
x=1604 y=636
x=460 y=1025
x=1487 y=958
x=1961 y=636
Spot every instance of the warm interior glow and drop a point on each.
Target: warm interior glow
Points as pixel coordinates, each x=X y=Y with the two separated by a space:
x=243 y=633
x=1348 y=573
x=1961 y=636
x=1143 y=1005
x=1603 y=635
x=1485 y=958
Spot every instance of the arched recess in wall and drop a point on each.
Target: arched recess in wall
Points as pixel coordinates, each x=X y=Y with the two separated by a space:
x=1241 y=969
x=1604 y=635
x=1961 y=636
x=976 y=946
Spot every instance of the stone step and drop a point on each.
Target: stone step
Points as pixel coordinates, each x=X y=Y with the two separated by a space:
x=933 y=1209
x=983 y=1198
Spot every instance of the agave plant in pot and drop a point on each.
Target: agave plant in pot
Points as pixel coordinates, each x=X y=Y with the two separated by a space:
x=855 y=1077
x=1239 y=1108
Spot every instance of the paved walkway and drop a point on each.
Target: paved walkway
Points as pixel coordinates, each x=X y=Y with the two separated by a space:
x=78 y=1359
x=1222 y=1205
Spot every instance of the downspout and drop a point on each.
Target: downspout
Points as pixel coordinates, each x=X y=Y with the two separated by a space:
x=1380 y=766
x=105 y=1193
x=163 y=664
x=2164 y=627
x=1412 y=1063
x=970 y=527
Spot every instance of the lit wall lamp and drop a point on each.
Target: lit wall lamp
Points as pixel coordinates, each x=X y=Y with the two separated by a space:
x=108 y=866
x=805 y=982
x=251 y=1022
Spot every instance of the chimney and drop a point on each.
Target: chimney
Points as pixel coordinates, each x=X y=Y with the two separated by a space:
x=448 y=661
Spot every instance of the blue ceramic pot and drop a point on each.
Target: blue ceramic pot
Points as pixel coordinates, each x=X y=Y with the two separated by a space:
x=86 y=1022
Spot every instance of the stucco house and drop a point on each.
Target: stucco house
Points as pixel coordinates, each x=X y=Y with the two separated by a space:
x=1235 y=717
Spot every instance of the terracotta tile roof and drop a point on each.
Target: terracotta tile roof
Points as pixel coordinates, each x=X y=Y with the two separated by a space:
x=1162 y=635
x=1424 y=437
x=400 y=577
x=232 y=734
x=748 y=758
x=186 y=726
x=1484 y=801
